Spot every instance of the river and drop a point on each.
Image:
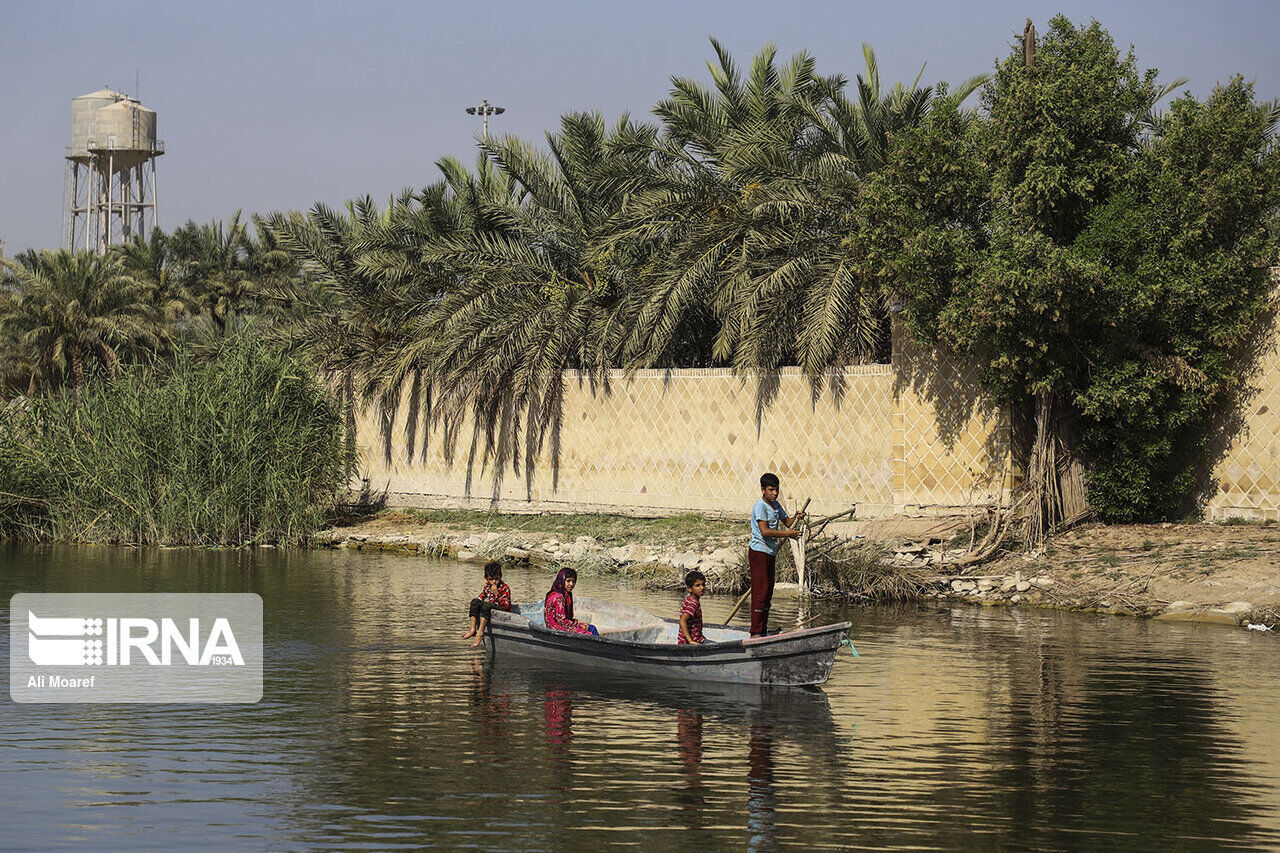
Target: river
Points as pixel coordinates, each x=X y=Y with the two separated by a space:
x=959 y=727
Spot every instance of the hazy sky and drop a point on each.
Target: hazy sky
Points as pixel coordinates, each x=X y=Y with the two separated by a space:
x=275 y=105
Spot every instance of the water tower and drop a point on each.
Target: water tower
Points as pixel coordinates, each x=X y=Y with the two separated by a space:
x=110 y=188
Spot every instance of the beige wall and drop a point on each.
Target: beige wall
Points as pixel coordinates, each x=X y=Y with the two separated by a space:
x=690 y=440
x=912 y=437
x=951 y=448
x=1247 y=479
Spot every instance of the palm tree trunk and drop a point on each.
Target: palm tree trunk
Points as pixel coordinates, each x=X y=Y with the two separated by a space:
x=77 y=368
x=109 y=358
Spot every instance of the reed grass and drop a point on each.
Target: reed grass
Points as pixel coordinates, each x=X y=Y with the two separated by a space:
x=496 y=548
x=244 y=447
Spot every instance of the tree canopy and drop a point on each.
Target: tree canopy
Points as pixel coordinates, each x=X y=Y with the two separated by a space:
x=1083 y=247
x=1104 y=263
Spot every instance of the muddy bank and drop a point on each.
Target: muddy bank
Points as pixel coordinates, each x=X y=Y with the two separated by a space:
x=1216 y=573
x=654 y=564
x=1224 y=573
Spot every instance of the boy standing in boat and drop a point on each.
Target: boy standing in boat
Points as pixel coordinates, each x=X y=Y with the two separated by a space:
x=769 y=526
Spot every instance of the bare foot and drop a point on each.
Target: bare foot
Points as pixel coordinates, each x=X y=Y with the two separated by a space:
x=478 y=641
x=468 y=635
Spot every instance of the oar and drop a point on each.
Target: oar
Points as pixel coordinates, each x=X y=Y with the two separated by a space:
x=738 y=606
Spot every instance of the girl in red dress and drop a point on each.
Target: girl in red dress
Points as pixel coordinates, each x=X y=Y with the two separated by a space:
x=557 y=608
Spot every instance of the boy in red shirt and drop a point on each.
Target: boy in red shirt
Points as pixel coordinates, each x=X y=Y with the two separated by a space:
x=691 y=609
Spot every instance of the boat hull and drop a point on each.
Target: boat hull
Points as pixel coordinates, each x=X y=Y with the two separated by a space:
x=796 y=658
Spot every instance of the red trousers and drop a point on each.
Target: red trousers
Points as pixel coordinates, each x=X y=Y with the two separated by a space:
x=761 y=565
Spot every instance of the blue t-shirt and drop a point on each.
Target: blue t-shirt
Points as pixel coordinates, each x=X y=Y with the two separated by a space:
x=772 y=517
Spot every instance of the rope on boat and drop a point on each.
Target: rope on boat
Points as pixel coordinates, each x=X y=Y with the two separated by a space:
x=845 y=641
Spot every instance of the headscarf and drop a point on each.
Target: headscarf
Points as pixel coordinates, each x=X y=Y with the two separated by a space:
x=558 y=586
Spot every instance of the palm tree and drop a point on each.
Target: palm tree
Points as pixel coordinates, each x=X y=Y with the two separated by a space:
x=535 y=295
x=364 y=280
x=217 y=267
x=274 y=270
x=65 y=315
x=721 y=237
x=345 y=314
x=151 y=261
x=757 y=211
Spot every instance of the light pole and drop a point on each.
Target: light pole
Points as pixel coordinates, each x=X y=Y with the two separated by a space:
x=485 y=110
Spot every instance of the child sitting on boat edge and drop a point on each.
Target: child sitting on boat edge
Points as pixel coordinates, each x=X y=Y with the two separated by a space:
x=557 y=607
x=495 y=594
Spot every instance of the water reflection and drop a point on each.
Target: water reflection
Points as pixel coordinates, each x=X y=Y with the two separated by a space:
x=762 y=804
x=689 y=745
x=493 y=710
x=750 y=725
x=1053 y=731
x=959 y=728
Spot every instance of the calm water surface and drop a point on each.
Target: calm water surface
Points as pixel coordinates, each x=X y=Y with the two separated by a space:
x=959 y=728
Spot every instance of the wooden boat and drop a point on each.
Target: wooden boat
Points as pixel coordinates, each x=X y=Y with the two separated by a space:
x=634 y=641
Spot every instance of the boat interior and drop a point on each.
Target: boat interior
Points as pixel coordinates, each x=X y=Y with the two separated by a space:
x=629 y=623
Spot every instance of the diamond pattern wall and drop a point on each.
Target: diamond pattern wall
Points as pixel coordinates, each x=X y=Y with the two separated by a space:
x=690 y=440
x=913 y=437
x=951 y=447
x=1247 y=479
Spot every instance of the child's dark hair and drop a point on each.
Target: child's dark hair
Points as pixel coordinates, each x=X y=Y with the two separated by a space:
x=493 y=570
x=570 y=574
x=693 y=577
x=767 y=480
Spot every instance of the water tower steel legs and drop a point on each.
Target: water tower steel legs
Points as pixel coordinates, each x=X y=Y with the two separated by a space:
x=75 y=206
x=103 y=206
x=155 y=197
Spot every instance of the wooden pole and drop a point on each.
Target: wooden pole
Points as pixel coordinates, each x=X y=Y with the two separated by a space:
x=738 y=606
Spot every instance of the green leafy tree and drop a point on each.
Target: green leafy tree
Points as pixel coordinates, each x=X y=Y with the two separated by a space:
x=1104 y=263
x=1186 y=251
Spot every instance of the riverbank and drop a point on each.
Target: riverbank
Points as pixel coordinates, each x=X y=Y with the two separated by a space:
x=1219 y=573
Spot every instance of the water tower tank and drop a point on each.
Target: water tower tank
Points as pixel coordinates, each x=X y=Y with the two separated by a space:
x=109 y=191
x=84 y=110
x=126 y=131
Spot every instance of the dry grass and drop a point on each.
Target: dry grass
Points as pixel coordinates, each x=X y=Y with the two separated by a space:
x=858 y=569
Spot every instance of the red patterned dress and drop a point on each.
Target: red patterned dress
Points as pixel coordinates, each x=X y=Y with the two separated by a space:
x=553 y=613
x=692 y=608
x=499 y=596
